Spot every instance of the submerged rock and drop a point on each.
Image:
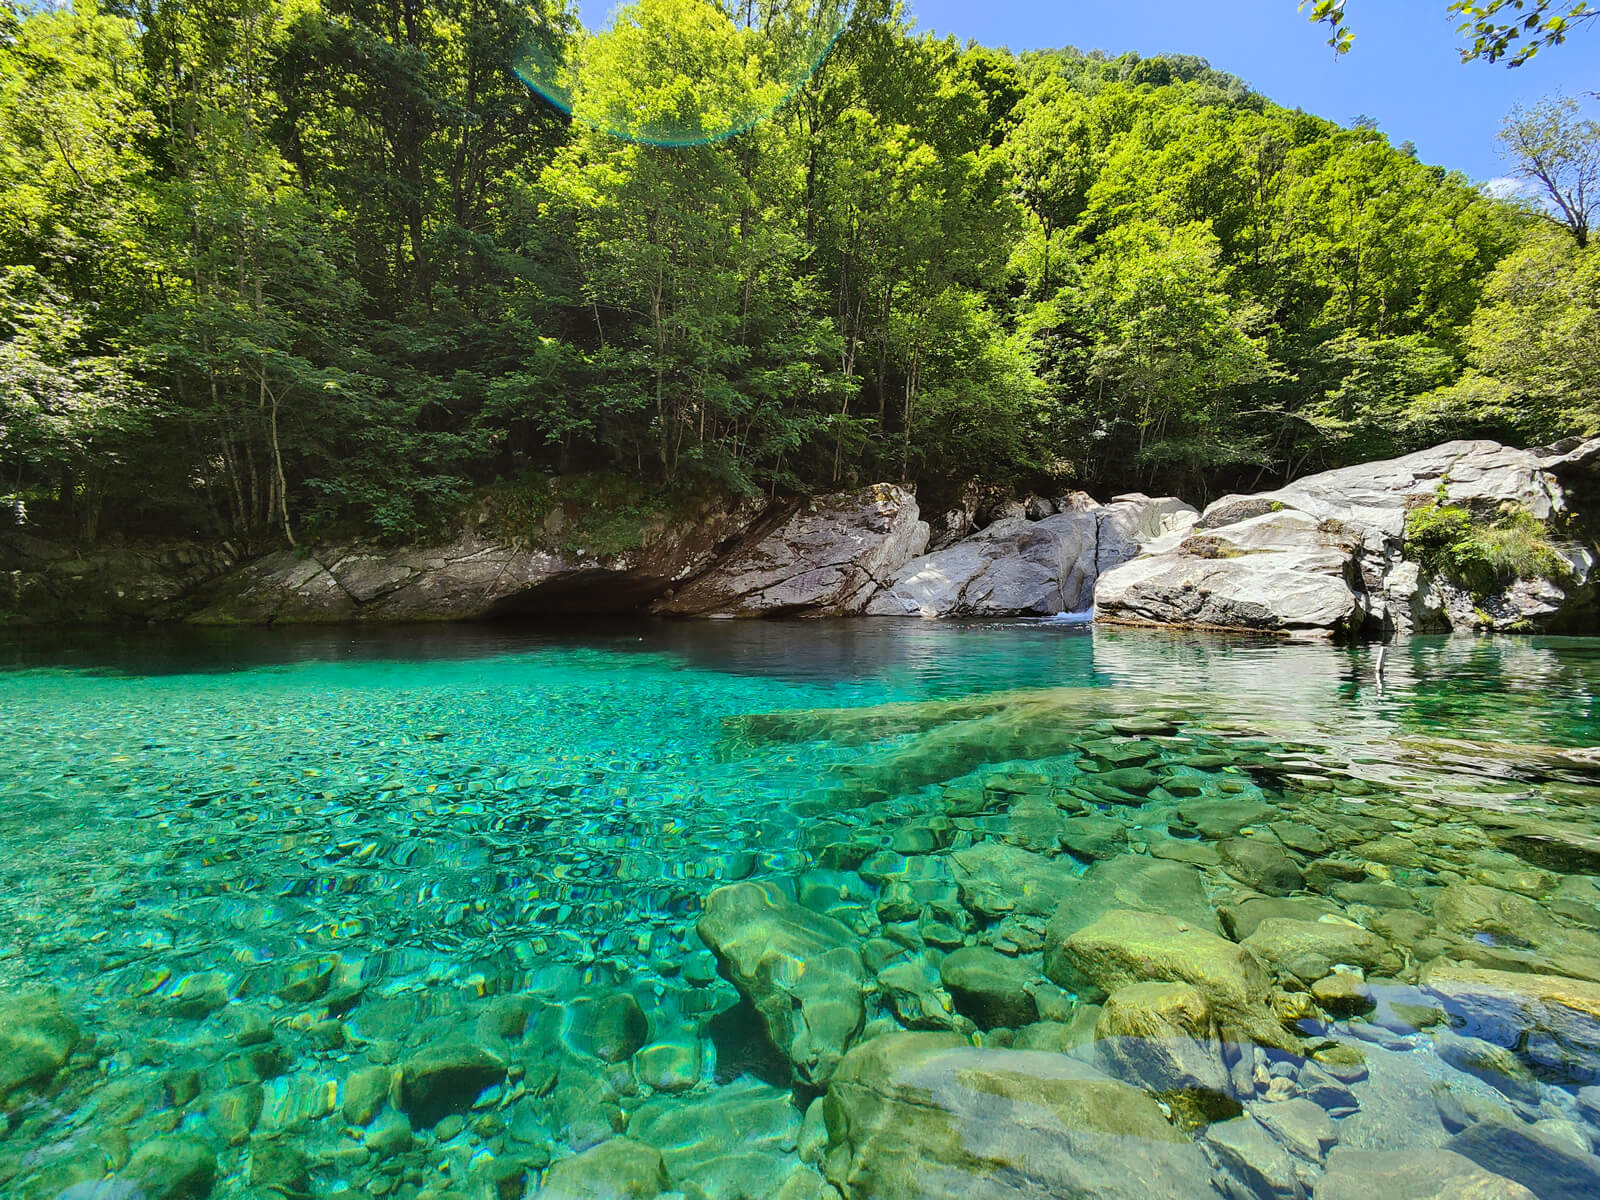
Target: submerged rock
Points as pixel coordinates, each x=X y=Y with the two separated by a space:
x=1160 y=1037
x=800 y=970
x=739 y=1140
x=444 y=1078
x=924 y=1116
x=995 y=879
x=619 y=1169
x=1261 y=863
x=1125 y=947
x=611 y=1028
x=1553 y=1021
x=1247 y=1151
x=1309 y=950
x=989 y=987
x=174 y=1167
x=1549 y=1166
x=1413 y=1175
x=36 y=1037
x=1135 y=883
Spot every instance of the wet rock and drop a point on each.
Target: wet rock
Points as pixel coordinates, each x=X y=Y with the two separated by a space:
x=234 y=1113
x=1125 y=947
x=1249 y=1153
x=1300 y=837
x=199 y=995
x=1343 y=995
x=739 y=1140
x=1469 y=908
x=1323 y=873
x=445 y=1078
x=1160 y=1037
x=1300 y=1124
x=995 y=879
x=799 y=969
x=1060 y=1037
x=1309 y=950
x=1244 y=917
x=619 y=1169
x=1261 y=863
x=669 y=1066
x=989 y=987
x=303 y=981
x=914 y=993
x=1413 y=1175
x=388 y=1136
x=1554 y=1021
x=36 y=1038
x=914 y=1116
x=611 y=1027
x=1094 y=837
x=173 y=1167
x=1218 y=819
x=1495 y=1065
x=1133 y=883
x=1549 y=1166
x=278 y=1165
x=365 y=1090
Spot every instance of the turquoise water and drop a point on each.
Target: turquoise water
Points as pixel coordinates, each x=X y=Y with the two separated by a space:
x=247 y=881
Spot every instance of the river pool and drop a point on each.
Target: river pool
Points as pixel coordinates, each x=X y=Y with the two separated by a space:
x=789 y=910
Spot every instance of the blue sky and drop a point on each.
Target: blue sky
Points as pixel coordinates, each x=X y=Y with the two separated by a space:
x=1404 y=71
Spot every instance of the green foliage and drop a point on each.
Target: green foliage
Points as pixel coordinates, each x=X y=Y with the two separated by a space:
x=1515 y=30
x=599 y=514
x=284 y=269
x=1537 y=336
x=1484 y=556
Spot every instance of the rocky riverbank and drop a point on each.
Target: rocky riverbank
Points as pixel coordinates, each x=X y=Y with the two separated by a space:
x=1465 y=536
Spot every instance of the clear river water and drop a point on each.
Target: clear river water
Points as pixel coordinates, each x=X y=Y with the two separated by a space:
x=750 y=911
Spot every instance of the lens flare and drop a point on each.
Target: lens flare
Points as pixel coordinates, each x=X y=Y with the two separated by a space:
x=682 y=72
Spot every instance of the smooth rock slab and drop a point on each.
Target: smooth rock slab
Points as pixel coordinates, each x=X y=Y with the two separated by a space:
x=1132 y=882
x=995 y=879
x=924 y=1116
x=1160 y=1037
x=1261 y=863
x=827 y=558
x=736 y=1141
x=1413 y=1175
x=1546 y=1164
x=1249 y=1153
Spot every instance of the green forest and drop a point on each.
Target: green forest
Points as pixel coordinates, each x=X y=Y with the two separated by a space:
x=275 y=270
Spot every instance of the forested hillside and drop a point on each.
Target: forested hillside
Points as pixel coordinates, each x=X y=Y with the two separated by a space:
x=275 y=269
